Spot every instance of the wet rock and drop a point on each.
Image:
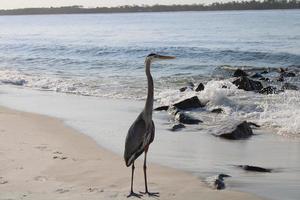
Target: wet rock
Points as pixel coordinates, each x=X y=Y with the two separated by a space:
x=183 y=89
x=222 y=176
x=224 y=86
x=217 y=182
x=217 y=110
x=280 y=78
x=253 y=124
x=239 y=73
x=269 y=90
x=20 y=82
x=254 y=168
x=264 y=79
x=247 y=84
x=289 y=74
x=264 y=72
x=190 y=85
x=237 y=131
x=186 y=119
x=161 y=108
x=177 y=127
x=193 y=102
x=289 y=86
x=200 y=87
x=257 y=75
x=282 y=70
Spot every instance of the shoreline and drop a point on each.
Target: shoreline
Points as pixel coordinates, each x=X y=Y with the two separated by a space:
x=44 y=158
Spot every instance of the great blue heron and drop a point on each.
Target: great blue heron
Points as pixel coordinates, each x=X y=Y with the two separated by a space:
x=141 y=133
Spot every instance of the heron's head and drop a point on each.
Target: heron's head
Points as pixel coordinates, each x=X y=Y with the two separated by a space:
x=154 y=57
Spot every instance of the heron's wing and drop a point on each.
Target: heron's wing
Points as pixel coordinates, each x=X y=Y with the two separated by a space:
x=134 y=143
x=152 y=133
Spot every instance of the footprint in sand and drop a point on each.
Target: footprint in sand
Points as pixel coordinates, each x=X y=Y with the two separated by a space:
x=2 y=181
x=40 y=178
x=61 y=191
x=59 y=155
x=41 y=147
x=95 y=190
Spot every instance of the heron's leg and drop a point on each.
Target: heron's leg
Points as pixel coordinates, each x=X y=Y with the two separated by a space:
x=145 y=176
x=131 y=189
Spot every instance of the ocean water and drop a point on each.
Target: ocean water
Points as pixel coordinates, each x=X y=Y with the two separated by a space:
x=102 y=55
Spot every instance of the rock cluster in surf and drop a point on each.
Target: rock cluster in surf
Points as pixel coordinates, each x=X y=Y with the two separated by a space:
x=260 y=82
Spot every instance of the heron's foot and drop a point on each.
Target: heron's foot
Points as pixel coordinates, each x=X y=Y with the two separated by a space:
x=151 y=194
x=133 y=194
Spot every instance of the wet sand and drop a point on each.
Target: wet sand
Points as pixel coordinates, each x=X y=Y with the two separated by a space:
x=42 y=158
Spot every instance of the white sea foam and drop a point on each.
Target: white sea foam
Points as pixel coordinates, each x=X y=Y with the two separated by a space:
x=279 y=112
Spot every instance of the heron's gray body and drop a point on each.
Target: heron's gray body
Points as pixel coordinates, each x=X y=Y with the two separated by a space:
x=139 y=136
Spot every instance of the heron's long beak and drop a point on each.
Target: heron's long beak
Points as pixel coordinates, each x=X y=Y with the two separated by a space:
x=166 y=57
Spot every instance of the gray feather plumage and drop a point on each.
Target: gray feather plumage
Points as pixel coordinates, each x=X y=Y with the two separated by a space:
x=140 y=134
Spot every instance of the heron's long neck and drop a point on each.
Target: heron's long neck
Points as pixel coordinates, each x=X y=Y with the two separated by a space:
x=149 y=101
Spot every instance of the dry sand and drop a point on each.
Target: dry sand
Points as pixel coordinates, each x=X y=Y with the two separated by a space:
x=41 y=158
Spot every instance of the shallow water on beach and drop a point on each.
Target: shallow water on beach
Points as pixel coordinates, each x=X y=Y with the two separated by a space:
x=194 y=150
x=89 y=71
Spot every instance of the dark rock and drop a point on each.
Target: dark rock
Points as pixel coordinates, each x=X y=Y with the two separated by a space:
x=224 y=86
x=190 y=85
x=264 y=72
x=186 y=119
x=280 y=78
x=289 y=86
x=200 y=87
x=183 y=89
x=219 y=184
x=222 y=176
x=177 y=127
x=247 y=84
x=193 y=102
x=289 y=74
x=253 y=124
x=217 y=110
x=257 y=75
x=254 y=168
x=282 y=70
x=20 y=82
x=241 y=131
x=239 y=73
x=269 y=90
x=161 y=108
x=264 y=79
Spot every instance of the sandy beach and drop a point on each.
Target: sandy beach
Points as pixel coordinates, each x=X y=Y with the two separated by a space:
x=41 y=158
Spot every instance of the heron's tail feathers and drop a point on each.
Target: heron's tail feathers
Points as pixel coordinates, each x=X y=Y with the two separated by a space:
x=128 y=160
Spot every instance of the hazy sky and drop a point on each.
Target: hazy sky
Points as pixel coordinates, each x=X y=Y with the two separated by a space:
x=7 y=4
